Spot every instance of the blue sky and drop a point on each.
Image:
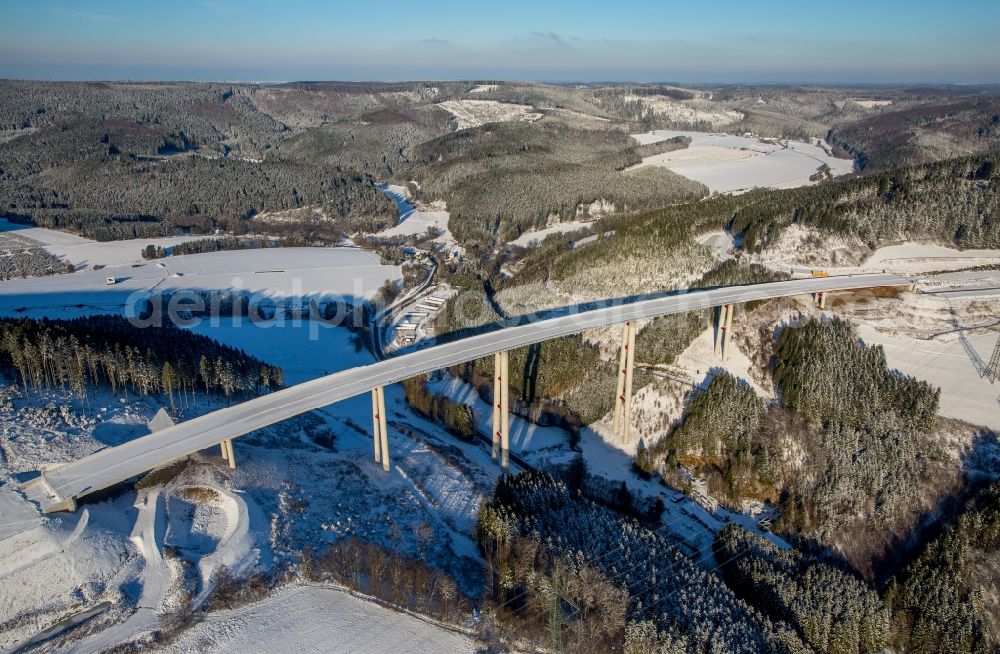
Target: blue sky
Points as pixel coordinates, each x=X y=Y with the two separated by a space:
x=719 y=41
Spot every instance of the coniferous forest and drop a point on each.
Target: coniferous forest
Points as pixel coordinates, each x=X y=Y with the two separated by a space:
x=82 y=354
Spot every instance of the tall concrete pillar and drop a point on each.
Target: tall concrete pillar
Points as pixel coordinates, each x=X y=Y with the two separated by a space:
x=720 y=328
x=505 y=410
x=620 y=389
x=629 y=368
x=822 y=299
x=225 y=451
x=497 y=403
x=727 y=333
x=376 y=427
x=383 y=429
x=230 y=456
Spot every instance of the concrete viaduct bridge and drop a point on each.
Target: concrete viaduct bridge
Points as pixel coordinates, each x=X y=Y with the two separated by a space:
x=59 y=488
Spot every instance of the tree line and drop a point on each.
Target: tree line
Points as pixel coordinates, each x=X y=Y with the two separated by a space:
x=221 y=244
x=82 y=354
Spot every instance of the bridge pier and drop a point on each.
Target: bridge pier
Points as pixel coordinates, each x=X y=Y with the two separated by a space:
x=497 y=401
x=720 y=327
x=225 y=451
x=622 y=420
x=727 y=335
x=820 y=298
x=723 y=331
x=380 y=428
x=501 y=409
x=230 y=456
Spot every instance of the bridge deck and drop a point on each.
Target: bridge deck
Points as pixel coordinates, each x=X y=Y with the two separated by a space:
x=116 y=464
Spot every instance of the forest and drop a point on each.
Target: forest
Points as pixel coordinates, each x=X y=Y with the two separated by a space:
x=569 y=574
x=116 y=161
x=949 y=127
x=82 y=354
x=22 y=257
x=863 y=431
x=563 y=564
x=827 y=375
x=126 y=160
x=830 y=609
x=220 y=244
x=946 y=599
x=560 y=170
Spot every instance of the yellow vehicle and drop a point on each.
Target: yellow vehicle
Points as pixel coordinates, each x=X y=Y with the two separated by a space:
x=819 y=273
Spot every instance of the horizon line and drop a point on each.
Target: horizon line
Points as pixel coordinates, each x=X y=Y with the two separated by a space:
x=494 y=80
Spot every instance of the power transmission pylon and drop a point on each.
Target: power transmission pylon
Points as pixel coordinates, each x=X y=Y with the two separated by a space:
x=993 y=371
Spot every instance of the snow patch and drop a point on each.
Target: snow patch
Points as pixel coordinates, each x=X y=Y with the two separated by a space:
x=728 y=164
x=473 y=113
x=319 y=619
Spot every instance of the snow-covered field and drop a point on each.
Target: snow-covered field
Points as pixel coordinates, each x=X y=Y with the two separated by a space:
x=870 y=104
x=536 y=236
x=726 y=163
x=473 y=113
x=314 y=273
x=318 y=619
x=85 y=253
x=414 y=221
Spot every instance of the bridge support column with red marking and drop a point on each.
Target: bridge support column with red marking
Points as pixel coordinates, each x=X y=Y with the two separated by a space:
x=497 y=401
x=501 y=409
x=230 y=456
x=620 y=388
x=622 y=420
x=376 y=428
x=380 y=428
x=820 y=298
x=384 y=436
x=629 y=369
